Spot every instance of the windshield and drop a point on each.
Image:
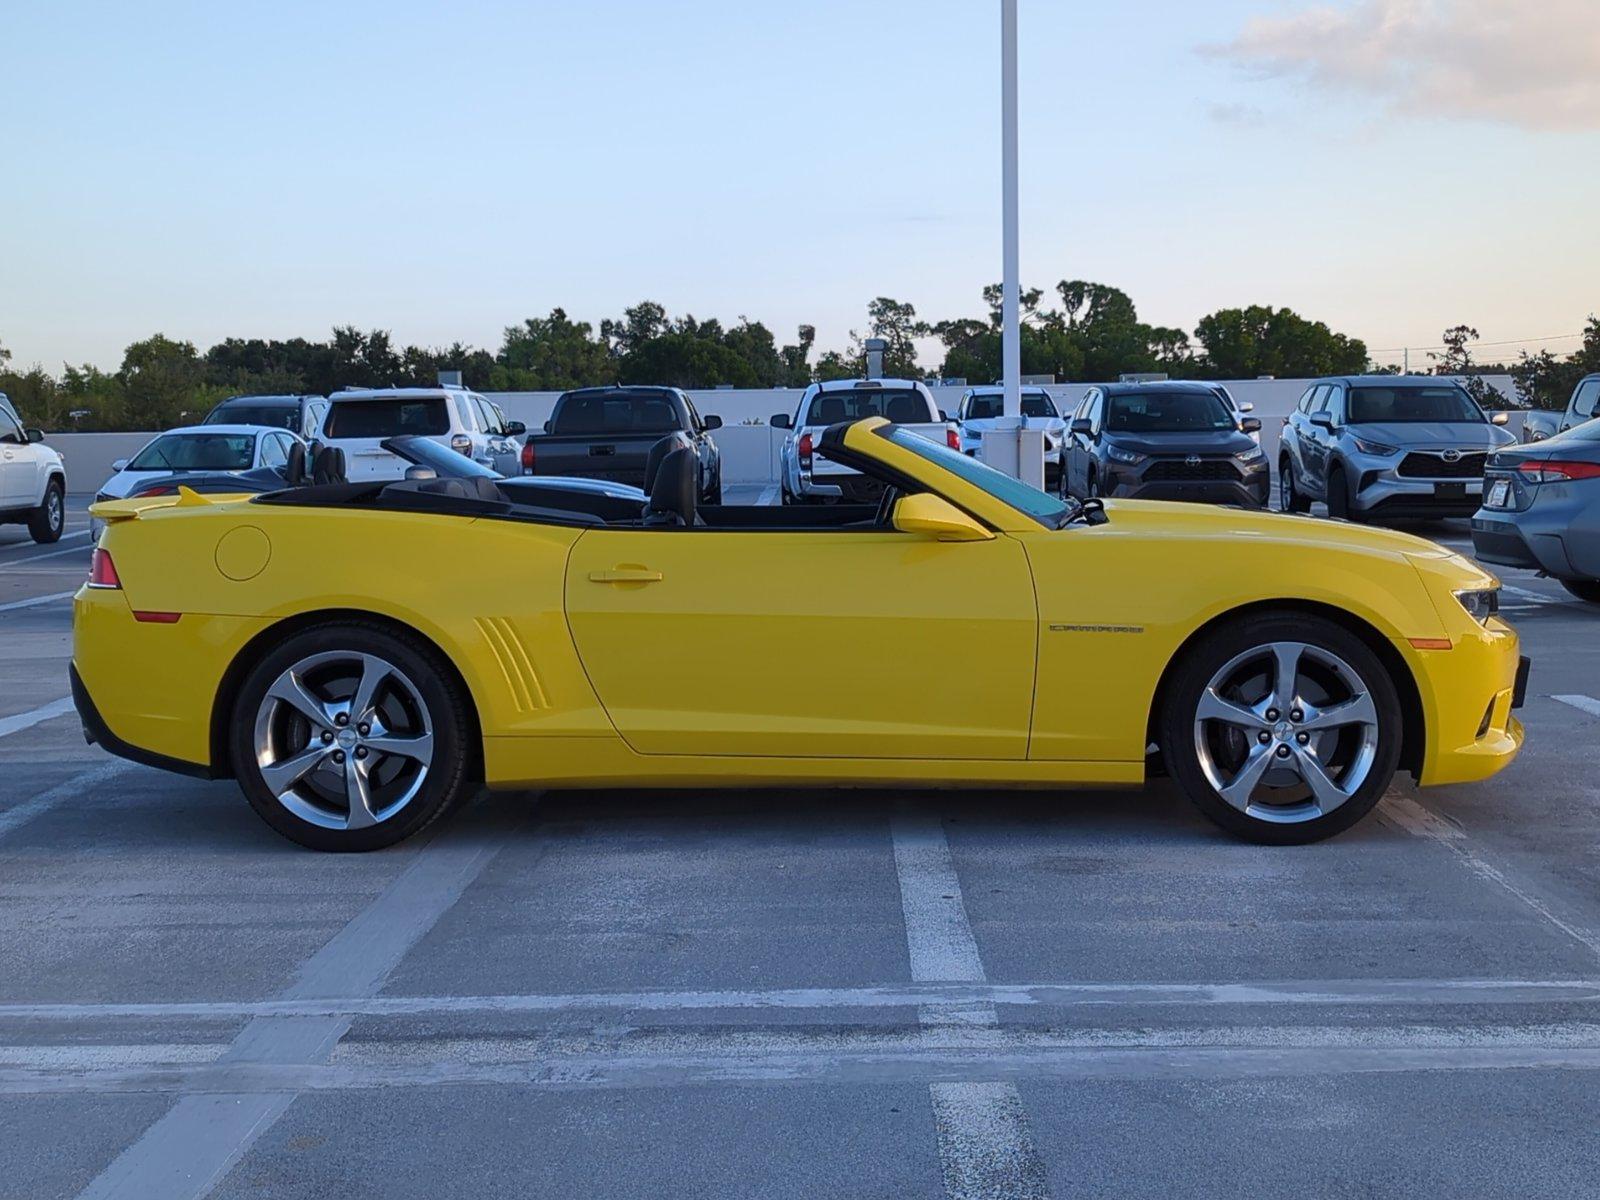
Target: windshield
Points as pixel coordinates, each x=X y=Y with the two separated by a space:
x=1043 y=508
x=903 y=406
x=426 y=416
x=1167 y=412
x=450 y=464
x=615 y=414
x=197 y=452
x=1034 y=404
x=1382 y=405
x=276 y=416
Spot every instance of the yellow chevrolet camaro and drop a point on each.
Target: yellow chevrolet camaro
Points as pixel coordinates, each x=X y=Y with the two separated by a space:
x=360 y=656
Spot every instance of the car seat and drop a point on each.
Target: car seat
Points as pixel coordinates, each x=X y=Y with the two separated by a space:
x=328 y=466
x=676 y=491
x=658 y=454
x=294 y=471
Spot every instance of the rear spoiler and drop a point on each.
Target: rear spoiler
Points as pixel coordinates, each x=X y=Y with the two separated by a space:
x=114 y=511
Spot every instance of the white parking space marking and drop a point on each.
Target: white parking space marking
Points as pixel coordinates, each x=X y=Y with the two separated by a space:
x=985 y=1147
x=79 y=785
x=26 y=546
x=1586 y=704
x=189 y=1150
x=1327 y=992
x=13 y=605
x=37 y=716
x=33 y=558
x=1416 y=819
x=768 y=497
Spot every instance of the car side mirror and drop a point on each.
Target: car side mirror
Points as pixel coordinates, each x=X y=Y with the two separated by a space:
x=1083 y=425
x=417 y=472
x=119 y=464
x=1500 y=418
x=547 y=426
x=34 y=435
x=1247 y=406
x=515 y=429
x=943 y=416
x=781 y=421
x=1322 y=420
x=1251 y=424
x=713 y=422
x=934 y=516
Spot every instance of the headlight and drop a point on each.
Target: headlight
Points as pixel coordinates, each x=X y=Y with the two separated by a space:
x=1481 y=604
x=1118 y=454
x=1377 y=448
x=1250 y=455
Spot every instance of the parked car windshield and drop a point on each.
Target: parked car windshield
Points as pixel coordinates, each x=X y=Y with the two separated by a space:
x=426 y=416
x=1167 y=412
x=1034 y=404
x=904 y=406
x=616 y=415
x=197 y=452
x=1382 y=405
x=276 y=416
x=1044 y=508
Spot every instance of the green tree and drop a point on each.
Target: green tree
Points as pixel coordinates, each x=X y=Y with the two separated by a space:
x=552 y=353
x=896 y=323
x=1457 y=360
x=163 y=383
x=1242 y=343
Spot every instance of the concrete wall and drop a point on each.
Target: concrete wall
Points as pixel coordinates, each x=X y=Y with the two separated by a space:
x=749 y=445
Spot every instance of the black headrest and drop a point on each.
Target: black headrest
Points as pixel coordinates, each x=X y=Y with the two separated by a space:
x=830 y=410
x=672 y=499
x=904 y=410
x=328 y=466
x=658 y=454
x=294 y=472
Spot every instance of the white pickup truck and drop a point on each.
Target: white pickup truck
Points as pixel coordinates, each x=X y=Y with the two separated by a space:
x=807 y=477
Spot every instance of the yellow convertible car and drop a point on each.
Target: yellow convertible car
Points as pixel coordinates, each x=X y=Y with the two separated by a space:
x=361 y=656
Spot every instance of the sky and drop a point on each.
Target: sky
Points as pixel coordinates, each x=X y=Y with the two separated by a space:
x=271 y=169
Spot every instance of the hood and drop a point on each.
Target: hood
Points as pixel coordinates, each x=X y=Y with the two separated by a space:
x=1434 y=435
x=1159 y=518
x=1211 y=442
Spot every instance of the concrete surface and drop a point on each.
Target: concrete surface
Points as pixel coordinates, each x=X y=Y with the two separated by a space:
x=793 y=994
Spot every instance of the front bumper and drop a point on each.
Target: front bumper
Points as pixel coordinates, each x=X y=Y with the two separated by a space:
x=1381 y=491
x=1250 y=488
x=1469 y=694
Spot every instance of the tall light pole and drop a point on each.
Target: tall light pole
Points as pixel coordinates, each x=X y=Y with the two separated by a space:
x=1011 y=353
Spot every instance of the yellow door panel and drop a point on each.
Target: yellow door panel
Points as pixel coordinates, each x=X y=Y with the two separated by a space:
x=828 y=644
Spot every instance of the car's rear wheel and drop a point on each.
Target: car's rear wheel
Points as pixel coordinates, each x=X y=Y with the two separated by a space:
x=1282 y=729
x=1583 y=589
x=1290 y=499
x=50 y=518
x=350 y=737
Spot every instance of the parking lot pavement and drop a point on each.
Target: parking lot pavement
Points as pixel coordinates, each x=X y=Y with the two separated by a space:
x=792 y=993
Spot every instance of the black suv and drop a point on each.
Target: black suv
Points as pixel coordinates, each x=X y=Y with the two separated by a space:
x=1165 y=441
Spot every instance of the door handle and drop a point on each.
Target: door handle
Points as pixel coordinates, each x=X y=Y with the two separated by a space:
x=629 y=575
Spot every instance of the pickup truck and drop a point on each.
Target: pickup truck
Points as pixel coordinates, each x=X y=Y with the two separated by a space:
x=809 y=478
x=1584 y=406
x=607 y=432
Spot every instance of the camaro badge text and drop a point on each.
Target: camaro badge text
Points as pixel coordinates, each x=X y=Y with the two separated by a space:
x=1097 y=629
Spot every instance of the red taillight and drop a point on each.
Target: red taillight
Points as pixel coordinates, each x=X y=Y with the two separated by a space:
x=1558 y=471
x=527 y=457
x=102 y=571
x=807 y=446
x=155 y=618
x=952 y=438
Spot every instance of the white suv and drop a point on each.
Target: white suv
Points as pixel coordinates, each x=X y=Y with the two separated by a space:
x=33 y=483
x=358 y=422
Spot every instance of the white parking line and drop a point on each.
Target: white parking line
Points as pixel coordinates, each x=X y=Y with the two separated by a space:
x=1586 y=704
x=13 y=605
x=985 y=1147
x=189 y=1150
x=21 y=814
x=768 y=497
x=37 y=716
x=1416 y=819
x=33 y=558
x=65 y=537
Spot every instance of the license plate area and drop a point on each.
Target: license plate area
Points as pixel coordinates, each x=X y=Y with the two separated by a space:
x=1499 y=494
x=1450 y=491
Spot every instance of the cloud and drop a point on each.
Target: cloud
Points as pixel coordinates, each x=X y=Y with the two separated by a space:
x=1533 y=64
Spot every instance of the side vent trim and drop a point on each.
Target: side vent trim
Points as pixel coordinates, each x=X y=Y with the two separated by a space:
x=527 y=695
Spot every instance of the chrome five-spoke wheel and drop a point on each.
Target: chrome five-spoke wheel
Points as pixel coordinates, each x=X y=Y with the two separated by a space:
x=344 y=740
x=1286 y=732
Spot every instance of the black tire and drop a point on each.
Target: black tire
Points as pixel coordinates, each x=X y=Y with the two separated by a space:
x=1583 y=589
x=46 y=523
x=1290 y=499
x=1339 y=495
x=1181 y=740
x=714 y=496
x=1093 y=486
x=448 y=776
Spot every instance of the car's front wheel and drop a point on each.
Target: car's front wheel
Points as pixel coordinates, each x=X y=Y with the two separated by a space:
x=1583 y=589
x=351 y=737
x=50 y=518
x=1282 y=729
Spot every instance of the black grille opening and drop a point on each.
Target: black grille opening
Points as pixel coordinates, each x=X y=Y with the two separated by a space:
x=1435 y=466
x=1207 y=470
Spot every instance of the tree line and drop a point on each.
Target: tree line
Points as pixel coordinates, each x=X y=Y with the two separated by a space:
x=1081 y=330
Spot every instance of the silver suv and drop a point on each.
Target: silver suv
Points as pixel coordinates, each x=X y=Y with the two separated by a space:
x=1376 y=446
